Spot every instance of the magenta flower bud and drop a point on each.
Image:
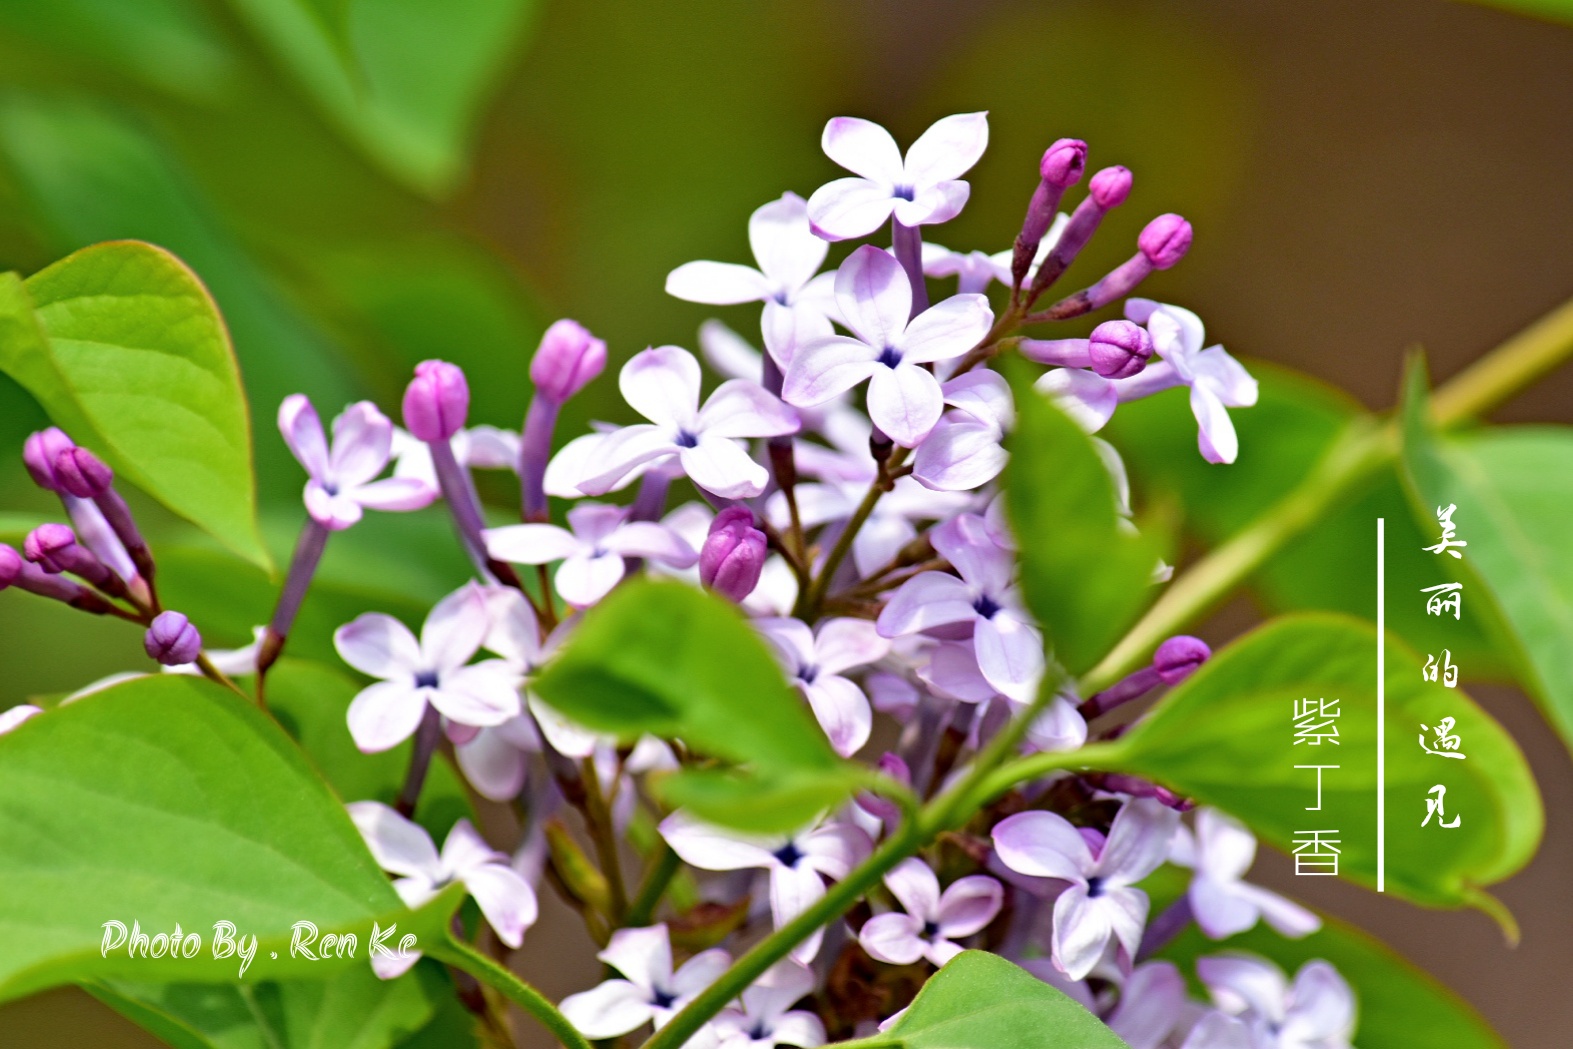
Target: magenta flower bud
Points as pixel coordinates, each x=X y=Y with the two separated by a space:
x=11 y=565
x=39 y=453
x=1178 y=657
x=1119 y=349
x=733 y=554
x=1165 y=240
x=172 y=640
x=1064 y=162
x=83 y=474
x=1110 y=187
x=48 y=545
x=568 y=358
x=436 y=401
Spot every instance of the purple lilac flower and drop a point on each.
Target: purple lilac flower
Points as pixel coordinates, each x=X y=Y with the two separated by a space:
x=567 y=360
x=930 y=919
x=340 y=484
x=1316 y=1011
x=764 y=1016
x=436 y=402
x=875 y=296
x=920 y=190
x=797 y=863
x=663 y=385
x=431 y=670
x=649 y=990
x=733 y=555
x=1221 y=851
x=964 y=451
x=1102 y=902
x=172 y=640
x=815 y=660
x=592 y=552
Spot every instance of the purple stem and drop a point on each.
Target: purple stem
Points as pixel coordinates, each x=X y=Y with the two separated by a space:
x=535 y=450
x=1116 y=284
x=458 y=491
x=302 y=566
x=426 y=739
x=650 y=502
x=907 y=243
x=1040 y=215
x=1078 y=231
x=1134 y=686
x=1165 y=927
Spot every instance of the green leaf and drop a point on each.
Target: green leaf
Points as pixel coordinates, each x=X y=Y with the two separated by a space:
x=421 y=69
x=169 y=800
x=135 y=358
x=668 y=659
x=981 y=1001
x=1553 y=10
x=1512 y=487
x=1399 y=1003
x=1087 y=585
x=1226 y=737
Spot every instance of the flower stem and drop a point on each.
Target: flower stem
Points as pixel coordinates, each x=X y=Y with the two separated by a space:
x=660 y=875
x=462 y=956
x=426 y=739
x=810 y=601
x=598 y=817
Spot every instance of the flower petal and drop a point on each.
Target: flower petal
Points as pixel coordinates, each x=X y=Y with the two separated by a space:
x=928 y=599
x=1043 y=845
x=608 y=1010
x=657 y=542
x=362 y=442
x=948 y=149
x=1323 y=1006
x=792 y=891
x=1215 y=434
x=914 y=885
x=584 y=579
x=394 y=493
x=1138 y=840
x=863 y=148
x=721 y=466
x=1151 y=1004
x=712 y=849
x=962 y=453
x=1010 y=654
x=380 y=646
x=700 y=971
x=905 y=402
x=505 y=899
x=1239 y=982
x=566 y=737
x=835 y=848
x=842 y=644
x=485 y=694
x=399 y=845
x=892 y=938
x=385 y=714
x=644 y=955
x=662 y=384
x=875 y=296
x=1081 y=931
x=799 y=1028
x=947 y=329
x=1087 y=397
x=493 y=765
x=1225 y=849
x=454 y=630
x=1220 y=910
x=530 y=544
x=740 y=408
x=824 y=368
x=968 y=905
x=842 y=710
x=717 y=283
x=302 y=431
x=850 y=207
x=934 y=204
x=784 y=244
x=728 y=352
x=612 y=460
x=953 y=672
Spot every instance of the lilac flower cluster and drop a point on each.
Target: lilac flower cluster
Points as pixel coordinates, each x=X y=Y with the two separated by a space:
x=844 y=487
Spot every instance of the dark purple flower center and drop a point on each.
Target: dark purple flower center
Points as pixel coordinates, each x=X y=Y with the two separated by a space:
x=759 y=1032
x=426 y=679
x=890 y=356
x=1094 y=888
x=930 y=931
x=789 y=854
x=686 y=439
x=986 y=606
x=662 y=999
x=807 y=673
x=903 y=192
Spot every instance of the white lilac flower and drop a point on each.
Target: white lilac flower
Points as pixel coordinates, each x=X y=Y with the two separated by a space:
x=1102 y=902
x=815 y=661
x=964 y=451
x=404 y=848
x=932 y=919
x=340 y=483
x=649 y=991
x=984 y=597
x=591 y=549
x=875 y=297
x=789 y=255
x=952 y=671
x=1317 y=1011
x=797 y=863
x=431 y=670
x=1152 y=1002
x=765 y=1016
x=662 y=384
x=1221 y=851
x=921 y=189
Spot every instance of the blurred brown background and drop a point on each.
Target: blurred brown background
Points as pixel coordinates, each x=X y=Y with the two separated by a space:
x=1362 y=175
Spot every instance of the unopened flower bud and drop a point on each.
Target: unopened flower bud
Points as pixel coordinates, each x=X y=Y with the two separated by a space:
x=1110 y=187
x=568 y=358
x=83 y=474
x=733 y=554
x=1119 y=349
x=172 y=640
x=39 y=453
x=47 y=545
x=1063 y=162
x=1178 y=657
x=436 y=401
x=1165 y=240
x=10 y=565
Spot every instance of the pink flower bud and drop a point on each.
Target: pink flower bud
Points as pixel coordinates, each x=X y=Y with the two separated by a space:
x=39 y=453
x=733 y=554
x=1110 y=187
x=1178 y=657
x=83 y=474
x=436 y=401
x=46 y=546
x=568 y=358
x=1064 y=162
x=1119 y=349
x=172 y=640
x=10 y=565
x=1165 y=240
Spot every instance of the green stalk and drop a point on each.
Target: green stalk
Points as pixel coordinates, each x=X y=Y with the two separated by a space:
x=661 y=873
x=499 y=978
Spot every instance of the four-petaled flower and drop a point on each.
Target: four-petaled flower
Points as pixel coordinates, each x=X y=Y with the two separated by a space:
x=662 y=384
x=1102 y=900
x=1217 y=380
x=1317 y=1011
x=796 y=862
x=875 y=296
x=592 y=553
x=815 y=661
x=933 y=919
x=923 y=189
x=649 y=990
x=764 y=1016
x=1224 y=903
x=431 y=670
x=404 y=848
x=340 y=484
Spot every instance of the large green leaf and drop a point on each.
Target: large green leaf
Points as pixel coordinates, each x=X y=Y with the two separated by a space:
x=134 y=350
x=981 y=1001
x=669 y=659
x=1085 y=576
x=1226 y=737
x=169 y=800
x=417 y=74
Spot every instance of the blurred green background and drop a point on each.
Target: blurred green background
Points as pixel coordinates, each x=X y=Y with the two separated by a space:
x=1362 y=177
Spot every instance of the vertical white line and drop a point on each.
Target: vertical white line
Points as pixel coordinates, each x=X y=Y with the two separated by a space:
x=1381 y=712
